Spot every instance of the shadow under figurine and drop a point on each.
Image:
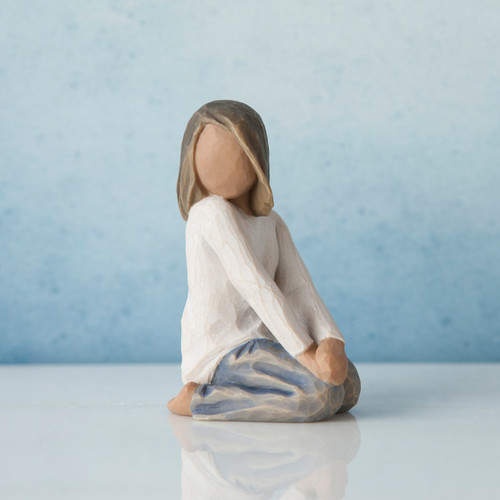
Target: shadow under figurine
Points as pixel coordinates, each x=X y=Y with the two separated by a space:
x=258 y=343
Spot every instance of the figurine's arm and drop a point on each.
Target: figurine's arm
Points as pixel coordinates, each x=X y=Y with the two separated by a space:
x=326 y=358
x=223 y=234
x=295 y=282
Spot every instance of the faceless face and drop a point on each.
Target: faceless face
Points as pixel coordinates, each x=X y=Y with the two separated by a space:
x=222 y=166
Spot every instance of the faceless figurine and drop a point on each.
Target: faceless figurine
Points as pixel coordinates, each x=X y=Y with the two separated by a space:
x=258 y=343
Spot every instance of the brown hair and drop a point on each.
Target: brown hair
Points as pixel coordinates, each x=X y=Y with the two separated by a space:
x=248 y=129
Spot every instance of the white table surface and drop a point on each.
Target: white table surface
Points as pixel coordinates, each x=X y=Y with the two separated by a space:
x=420 y=431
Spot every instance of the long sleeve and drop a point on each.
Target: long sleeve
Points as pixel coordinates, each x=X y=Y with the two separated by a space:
x=295 y=282
x=224 y=235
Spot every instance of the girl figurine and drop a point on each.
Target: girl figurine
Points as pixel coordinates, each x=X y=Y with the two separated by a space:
x=258 y=343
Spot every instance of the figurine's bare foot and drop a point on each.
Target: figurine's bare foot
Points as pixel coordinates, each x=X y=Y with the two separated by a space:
x=332 y=362
x=181 y=404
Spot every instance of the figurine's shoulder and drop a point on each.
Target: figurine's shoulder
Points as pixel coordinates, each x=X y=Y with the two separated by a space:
x=209 y=205
x=210 y=208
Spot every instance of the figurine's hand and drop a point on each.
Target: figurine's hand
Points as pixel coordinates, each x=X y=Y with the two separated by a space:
x=327 y=361
x=332 y=361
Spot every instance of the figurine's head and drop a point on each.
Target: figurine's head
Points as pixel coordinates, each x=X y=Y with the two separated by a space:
x=225 y=152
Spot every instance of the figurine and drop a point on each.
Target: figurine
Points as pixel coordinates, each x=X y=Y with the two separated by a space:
x=258 y=343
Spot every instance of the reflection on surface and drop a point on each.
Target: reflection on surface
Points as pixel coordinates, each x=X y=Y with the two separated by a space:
x=254 y=460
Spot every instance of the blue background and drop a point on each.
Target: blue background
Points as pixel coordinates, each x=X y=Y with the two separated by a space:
x=384 y=127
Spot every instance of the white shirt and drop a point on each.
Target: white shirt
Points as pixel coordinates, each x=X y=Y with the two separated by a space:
x=246 y=280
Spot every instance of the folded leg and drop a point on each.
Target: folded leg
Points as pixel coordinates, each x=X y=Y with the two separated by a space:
x=260 y=381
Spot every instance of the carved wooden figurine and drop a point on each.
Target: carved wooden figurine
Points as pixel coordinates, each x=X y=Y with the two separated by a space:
x=258 y=343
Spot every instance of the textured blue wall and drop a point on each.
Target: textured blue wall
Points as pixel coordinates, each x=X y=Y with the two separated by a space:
x=384 y=126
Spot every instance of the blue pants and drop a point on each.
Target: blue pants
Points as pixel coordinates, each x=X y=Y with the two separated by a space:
x=260 y=381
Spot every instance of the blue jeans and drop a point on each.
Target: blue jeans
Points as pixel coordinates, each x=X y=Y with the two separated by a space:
x=260 y=381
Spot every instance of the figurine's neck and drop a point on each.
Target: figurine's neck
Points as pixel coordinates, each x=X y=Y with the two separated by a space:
x=243 y=202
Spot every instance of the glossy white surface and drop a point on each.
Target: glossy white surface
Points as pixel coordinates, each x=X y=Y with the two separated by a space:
x=103 y=432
